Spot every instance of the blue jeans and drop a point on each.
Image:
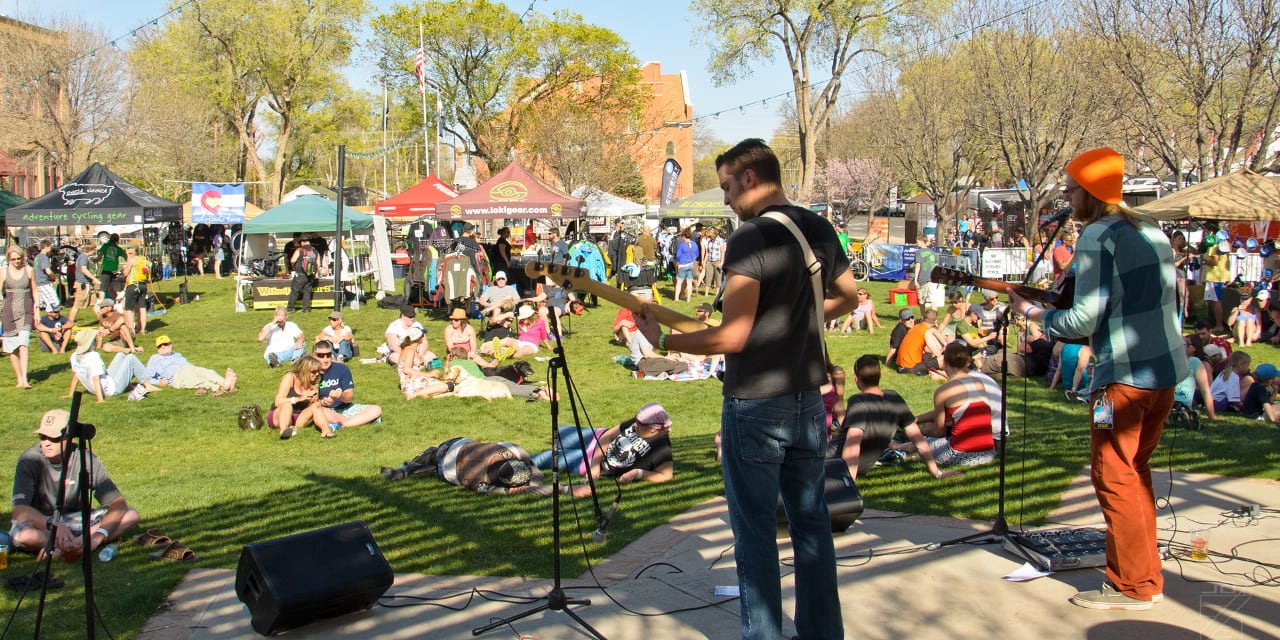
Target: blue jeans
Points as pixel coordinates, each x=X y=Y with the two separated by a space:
x=288 y=355
x=344 y=349
x=776 y=446
x=125 y=367
x=571 y=449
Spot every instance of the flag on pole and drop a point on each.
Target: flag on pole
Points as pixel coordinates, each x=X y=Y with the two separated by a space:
x=419 y=61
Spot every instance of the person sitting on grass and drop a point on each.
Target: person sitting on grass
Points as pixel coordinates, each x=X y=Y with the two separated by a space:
x=959 y=429
x=168 y=368
x=397 y=331
x=35 y=495
x=54 y=333
x=1229 y=386
x=1260 y=400
x=114 y=333
x=865 y=312
x=1193 y=390
x=338 y=334
x=1244 y=320
x=921 y=349
x=285 y=341
x=414 y=382
x=637 y=449
x=102 y=380
x=338 y=390
x=295 y=405
x=498 y=295
x=871 y=419
x=1073 y=360
x=460 y=334
x=971 y=334
x=531 y=334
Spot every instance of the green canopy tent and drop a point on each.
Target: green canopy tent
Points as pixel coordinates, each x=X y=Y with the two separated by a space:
x=307 y=214
x=9 y=199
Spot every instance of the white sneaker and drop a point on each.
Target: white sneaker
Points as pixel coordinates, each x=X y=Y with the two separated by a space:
x=139 y=392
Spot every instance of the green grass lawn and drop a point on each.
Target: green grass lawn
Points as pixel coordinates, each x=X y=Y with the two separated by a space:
x=184 y=464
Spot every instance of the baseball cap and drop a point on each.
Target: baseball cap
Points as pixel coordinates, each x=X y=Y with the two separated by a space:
x=653 y=414
x=501 y=275
x=335 y=315
x=975 y=309
x=1214 y=352
x=105 y=303
x=415 y=334
x=163 y=340
x=906 y=314
x=705 y=306
x=54 y=307
x=54 y=423
x=1266 y=371
x=1265 y=294
x=988 y=293
x=408 y=311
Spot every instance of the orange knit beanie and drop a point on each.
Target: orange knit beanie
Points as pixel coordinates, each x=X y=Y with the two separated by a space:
x=1100 y=172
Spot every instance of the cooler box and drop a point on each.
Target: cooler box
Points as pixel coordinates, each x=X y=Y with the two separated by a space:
x=903 y=297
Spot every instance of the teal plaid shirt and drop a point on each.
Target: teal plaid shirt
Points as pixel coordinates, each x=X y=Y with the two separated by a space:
x=1124 y=304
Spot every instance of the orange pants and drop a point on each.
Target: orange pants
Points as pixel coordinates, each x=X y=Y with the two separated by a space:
x=1121 y=476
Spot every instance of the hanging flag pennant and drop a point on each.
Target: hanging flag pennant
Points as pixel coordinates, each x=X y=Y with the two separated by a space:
x=419 y=61
x=217 y=203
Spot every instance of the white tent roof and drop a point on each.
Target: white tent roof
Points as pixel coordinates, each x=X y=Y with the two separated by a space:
x=608 y=205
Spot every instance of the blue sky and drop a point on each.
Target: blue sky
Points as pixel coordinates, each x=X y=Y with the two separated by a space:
x=658 y=30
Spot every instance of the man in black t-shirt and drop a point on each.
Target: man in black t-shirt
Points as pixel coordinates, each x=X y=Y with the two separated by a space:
x=35 y=486
x=871 y=418
x=906 y=320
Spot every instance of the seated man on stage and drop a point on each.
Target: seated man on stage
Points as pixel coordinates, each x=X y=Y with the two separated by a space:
x=960 y=428
x=872 y=417
x=35 y=496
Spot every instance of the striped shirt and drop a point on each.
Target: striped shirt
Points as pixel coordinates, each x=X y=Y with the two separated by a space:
x=1124 y=304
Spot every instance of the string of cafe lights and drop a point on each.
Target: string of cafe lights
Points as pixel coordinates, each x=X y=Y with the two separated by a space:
x=411 y=138
x=114 y=43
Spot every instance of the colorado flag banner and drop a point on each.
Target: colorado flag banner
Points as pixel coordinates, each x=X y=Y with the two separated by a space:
x=217 y=203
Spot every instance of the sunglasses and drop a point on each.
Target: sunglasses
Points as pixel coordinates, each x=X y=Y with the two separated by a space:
x=44 y=438
x=323 y=355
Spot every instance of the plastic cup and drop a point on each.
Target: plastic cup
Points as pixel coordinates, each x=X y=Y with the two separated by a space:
x=1200 y=544
x=4 y=557
x=71 y=555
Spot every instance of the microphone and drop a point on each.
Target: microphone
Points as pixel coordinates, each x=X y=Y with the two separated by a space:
x=602 y=531
x=1057 y=218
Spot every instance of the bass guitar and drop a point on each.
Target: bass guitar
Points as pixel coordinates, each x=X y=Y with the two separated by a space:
x=943 y=275
x=580 y=279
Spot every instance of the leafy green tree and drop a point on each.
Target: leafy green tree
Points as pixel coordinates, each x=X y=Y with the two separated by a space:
x=814 y=36
x=262 y=64
x=490 y=67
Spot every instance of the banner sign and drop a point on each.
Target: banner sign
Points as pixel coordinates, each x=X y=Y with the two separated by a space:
x=889 y=261
x=670 y=177
x=269 y=293
x=217 y=203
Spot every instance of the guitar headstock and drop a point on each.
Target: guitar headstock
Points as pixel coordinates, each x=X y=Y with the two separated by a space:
x=559 y=274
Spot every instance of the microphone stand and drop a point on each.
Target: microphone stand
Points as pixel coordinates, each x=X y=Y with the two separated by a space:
x=82 y=433
x=999 y=531
x=557 y=599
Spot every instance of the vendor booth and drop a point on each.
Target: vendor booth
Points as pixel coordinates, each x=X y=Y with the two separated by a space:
x=311 y=215
x=512 y=193
x=416 y=201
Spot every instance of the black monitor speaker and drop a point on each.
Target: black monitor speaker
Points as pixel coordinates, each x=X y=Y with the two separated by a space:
x=844 y=503
x=292 y=581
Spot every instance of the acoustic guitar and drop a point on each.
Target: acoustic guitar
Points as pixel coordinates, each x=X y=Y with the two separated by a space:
x=578 y=278
x=943 y=275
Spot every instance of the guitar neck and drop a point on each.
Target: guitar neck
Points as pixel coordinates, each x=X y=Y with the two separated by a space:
x=952 y=276
x=575 y=278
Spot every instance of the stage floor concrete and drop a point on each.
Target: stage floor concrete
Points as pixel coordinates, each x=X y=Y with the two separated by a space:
x=951 y=592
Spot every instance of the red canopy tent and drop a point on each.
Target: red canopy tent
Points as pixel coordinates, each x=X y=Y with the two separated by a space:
x=416 y=201
x=511 y=193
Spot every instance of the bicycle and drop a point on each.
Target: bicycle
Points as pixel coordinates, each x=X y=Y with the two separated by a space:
x=859 y=267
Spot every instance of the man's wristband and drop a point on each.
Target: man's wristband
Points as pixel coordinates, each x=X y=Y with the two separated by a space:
x=105 y=534
x=662 y=342
x=639 y=473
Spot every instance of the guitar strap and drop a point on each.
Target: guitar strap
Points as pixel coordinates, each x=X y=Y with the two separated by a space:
x=812 y=265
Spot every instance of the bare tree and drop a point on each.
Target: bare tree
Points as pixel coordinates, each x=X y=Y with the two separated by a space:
x=822 y=36
x=1200 y=73
x=65 y=92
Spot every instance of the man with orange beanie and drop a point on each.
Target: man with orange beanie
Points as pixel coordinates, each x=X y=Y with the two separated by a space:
x=1125 y=304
